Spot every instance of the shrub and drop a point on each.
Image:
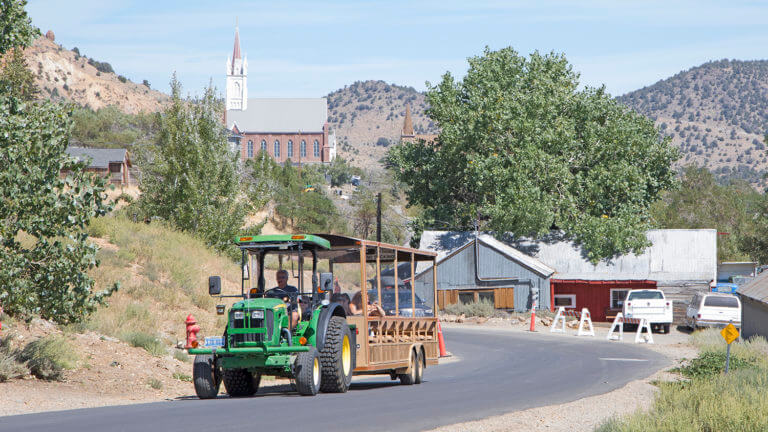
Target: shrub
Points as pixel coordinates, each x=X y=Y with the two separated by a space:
x=181 y=356
x=155 y=383
x=182 y=377
x=122 y=79
x=149 y=342
x=10 y=367
x=48 y=357
x=482 y=308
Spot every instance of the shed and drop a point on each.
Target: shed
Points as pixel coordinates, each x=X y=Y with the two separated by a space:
x=754 y=306
x=113 y=164
x=726 y=270
x=679 y=262
x=474 y=268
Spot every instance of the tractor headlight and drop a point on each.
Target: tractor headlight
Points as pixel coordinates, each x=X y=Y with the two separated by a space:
x=238 y=315
x=257 y=314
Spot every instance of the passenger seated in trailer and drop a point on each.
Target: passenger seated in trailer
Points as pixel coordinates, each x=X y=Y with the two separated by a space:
x=356 y=306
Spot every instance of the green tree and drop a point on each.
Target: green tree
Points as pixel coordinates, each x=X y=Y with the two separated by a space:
x=522 y=150
x=700 y=202
x=15 y=78
x=16 y=29
x=341 y=172
x=190 y=176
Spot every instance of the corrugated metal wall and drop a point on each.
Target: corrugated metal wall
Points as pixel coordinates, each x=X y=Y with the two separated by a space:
x=754 y=318
x=458 y=272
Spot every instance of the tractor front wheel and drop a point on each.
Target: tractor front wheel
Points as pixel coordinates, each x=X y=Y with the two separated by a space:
x=337 y=357
x=307 y=371
x=239 y=382
x=206 y=377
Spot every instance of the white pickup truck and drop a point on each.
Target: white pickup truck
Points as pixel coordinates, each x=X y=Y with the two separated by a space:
x=651 y=305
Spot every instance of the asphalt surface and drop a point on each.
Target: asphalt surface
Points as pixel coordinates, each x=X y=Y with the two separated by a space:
x=497 y=372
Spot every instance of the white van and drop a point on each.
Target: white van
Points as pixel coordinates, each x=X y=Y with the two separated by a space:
x=713 y=310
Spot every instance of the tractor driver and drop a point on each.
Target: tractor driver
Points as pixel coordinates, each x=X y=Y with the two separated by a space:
x=282 y=284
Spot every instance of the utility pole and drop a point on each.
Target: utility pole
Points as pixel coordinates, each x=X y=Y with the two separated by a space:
x=378 y=217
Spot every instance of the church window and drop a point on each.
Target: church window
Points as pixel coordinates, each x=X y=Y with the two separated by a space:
x=263 y=145
x=277 y=148
x=290 y=148
x=316 y=148
x=250 y=148
x=303 y=149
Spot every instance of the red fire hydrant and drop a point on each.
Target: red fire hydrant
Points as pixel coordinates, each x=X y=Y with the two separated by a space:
x=192 y=329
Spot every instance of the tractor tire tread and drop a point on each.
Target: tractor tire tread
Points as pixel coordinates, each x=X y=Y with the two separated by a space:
x=305 y=362
x=239 y=382
x=333 y=379
x=205 y=383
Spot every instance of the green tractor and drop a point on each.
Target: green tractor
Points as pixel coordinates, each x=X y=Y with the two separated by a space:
x=295 y=333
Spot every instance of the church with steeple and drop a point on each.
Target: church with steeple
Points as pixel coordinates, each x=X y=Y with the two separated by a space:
x=294 y=129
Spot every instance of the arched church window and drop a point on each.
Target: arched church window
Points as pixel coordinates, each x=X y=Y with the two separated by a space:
x=290 y=148
x=263 y=145
x=303 y=149
x=250 y=148
x=316 y=148
x=277 y=148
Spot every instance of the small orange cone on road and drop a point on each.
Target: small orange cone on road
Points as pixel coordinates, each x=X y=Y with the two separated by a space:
x=441 y=341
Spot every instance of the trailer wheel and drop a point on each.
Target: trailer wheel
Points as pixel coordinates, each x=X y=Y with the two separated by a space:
x=239 y=382
x=410 y=378
x=307 y=372
x=337 y=357
x=206 y=377
x=419 y=367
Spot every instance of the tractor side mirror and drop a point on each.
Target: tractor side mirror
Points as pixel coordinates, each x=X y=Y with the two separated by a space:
x=214 y=285
x=326 y=282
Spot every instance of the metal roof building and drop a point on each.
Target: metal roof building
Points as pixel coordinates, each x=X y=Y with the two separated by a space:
x=280 y=115
x=754 y=306
x=679 y=262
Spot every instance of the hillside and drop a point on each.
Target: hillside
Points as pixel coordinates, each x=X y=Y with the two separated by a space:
x=716 y=113
x=367 y=111
x=65 y=74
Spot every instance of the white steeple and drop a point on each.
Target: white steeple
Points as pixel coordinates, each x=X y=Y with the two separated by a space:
x=237 y=80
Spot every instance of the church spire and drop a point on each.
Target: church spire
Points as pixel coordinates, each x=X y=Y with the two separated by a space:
x=408 y=123
x=236 y=50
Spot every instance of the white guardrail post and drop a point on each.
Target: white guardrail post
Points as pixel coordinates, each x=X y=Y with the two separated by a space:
x=617 y=322
x=586 y=319
x=639 y=336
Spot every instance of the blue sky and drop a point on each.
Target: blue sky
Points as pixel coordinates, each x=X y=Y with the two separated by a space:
x=310 y=48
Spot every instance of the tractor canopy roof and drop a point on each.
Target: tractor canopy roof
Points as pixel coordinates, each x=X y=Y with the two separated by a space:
x=277 y=240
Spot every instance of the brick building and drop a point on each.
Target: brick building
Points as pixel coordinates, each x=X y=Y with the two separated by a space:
x=295 y=129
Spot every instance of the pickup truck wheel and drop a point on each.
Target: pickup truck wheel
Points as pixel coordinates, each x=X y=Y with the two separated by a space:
x=409 y=378
x=239 y=383
x=205 y=377
x=337 y=357
x=307 y=372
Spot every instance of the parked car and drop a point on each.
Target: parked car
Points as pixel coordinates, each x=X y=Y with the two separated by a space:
x=651 y=305
x=713 y=310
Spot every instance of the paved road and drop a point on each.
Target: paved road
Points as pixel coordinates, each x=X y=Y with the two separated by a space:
x=498 y=372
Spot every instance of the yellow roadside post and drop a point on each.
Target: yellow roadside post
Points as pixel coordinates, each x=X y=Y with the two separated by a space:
x=730 y=334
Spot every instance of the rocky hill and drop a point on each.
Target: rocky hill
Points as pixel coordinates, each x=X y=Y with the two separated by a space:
x=368 y=117
x=716 y=113
x=66 y=74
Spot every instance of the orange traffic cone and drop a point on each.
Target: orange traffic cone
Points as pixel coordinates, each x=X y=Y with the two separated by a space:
x=440 y=340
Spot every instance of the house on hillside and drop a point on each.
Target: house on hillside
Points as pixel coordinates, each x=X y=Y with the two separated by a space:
x=113 y=164
x=679 y=262
x=754 y=307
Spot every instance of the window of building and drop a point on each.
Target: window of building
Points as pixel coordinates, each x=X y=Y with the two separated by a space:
x=617 y=297
x=303 y=149
x=466 y=297
x=250 y=148
x=277 y=148
x=486 y=296
x=290 y=148
x=316 y=148
x=263 y=145
x=567 y=301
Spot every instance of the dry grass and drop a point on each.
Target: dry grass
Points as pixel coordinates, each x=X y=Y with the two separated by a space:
x=164 y=275
x=48 y=357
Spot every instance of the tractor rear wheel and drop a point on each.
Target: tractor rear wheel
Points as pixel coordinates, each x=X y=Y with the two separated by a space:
x=239 y=382
x=337 y=357
x=206 y=377
x=307 y=371
x=410 y=378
